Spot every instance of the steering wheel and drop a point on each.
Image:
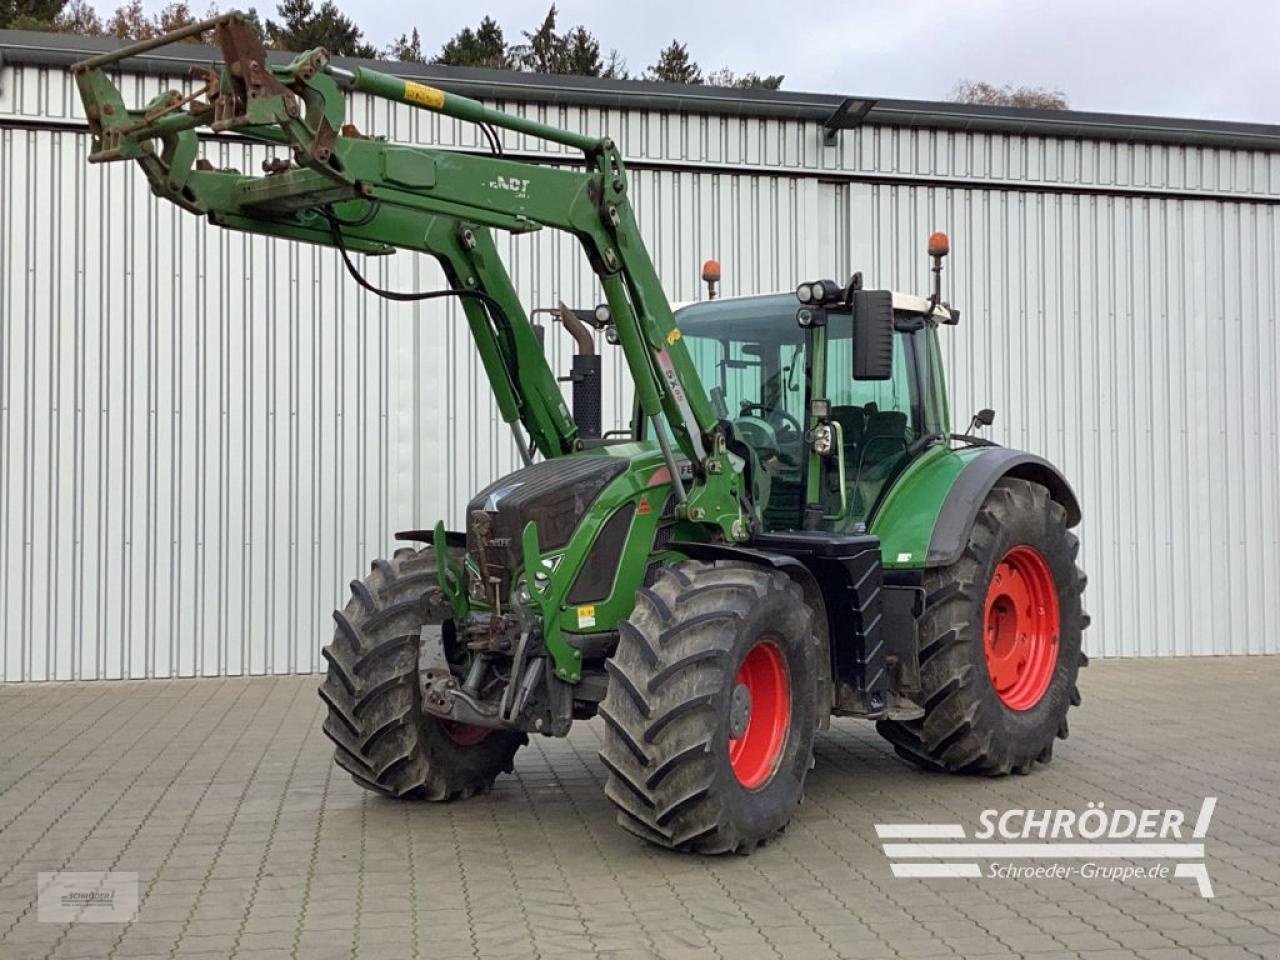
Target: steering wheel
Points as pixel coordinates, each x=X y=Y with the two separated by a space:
x=772 y=415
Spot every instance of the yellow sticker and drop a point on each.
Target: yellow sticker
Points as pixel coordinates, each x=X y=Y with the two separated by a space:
x=587 y=616
x=673 y=336
x=423 y=96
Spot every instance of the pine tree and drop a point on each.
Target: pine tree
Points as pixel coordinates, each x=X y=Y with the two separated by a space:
x=303 y=26
x=540 y=53
x=408 y=49
x=30 y=14
x=675 y=66
x=482 y=47
x=547 y=51
x=580 y=54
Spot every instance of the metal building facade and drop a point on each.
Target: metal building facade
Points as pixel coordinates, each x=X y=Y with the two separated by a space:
x=204 y=436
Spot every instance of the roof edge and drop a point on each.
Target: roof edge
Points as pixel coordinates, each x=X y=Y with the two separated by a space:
x=61 y=50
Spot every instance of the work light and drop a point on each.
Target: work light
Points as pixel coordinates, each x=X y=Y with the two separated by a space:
x=819 y=292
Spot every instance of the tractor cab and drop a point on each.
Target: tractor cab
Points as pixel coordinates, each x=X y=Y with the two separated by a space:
x=828 y=438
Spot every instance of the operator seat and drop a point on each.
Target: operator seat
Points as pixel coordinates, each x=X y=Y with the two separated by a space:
x=884 y=442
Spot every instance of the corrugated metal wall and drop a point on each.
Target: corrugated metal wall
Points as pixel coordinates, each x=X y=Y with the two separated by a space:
x=204 y=436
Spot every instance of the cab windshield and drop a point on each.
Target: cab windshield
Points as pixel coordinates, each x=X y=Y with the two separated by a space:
x=752 y=358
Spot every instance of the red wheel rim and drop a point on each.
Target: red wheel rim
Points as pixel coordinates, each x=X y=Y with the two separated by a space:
x=764 y=687
x=464 y=734
x=1020 y=628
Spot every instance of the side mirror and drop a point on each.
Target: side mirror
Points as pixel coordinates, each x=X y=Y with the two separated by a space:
x=983 y=418
x=872 y=334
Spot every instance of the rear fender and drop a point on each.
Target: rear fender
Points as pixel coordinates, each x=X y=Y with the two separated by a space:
x=926 y=518
x=960 y=510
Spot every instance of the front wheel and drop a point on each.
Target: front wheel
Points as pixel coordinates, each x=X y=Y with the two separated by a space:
x=999 y=641
x=380 y=733
x=710 y=712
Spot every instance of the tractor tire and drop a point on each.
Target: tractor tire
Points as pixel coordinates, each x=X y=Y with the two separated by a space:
x=710 y=711
x=381 y=735
x=999 y=642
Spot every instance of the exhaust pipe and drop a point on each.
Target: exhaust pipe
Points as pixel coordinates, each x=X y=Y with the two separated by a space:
x=584 y=374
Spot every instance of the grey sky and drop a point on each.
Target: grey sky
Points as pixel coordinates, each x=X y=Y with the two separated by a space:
x=1173 y=58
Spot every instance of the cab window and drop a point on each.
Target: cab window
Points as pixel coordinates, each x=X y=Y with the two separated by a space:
x=875 y=416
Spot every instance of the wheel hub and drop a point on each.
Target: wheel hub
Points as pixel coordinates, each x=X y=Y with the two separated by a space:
x=759 y=715
x=464 y=734
x=1021 y=625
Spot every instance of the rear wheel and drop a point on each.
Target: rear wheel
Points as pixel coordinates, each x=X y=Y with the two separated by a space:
x=999 y=641
x=381 y=735
x=710 y=712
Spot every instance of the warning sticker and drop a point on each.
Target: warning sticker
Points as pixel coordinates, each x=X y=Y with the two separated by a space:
x=423 y=96
x=587 y=616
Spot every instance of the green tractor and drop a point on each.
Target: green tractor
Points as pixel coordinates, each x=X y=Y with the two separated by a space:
x=789 y=530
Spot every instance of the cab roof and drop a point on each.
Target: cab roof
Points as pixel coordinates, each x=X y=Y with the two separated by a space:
x=906 y=302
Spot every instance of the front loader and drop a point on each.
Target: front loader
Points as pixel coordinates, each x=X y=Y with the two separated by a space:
x=788 y=531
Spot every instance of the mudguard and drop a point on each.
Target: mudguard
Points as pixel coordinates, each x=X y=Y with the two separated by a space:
x=951 y=530
x=925 y=519
x=710 y=552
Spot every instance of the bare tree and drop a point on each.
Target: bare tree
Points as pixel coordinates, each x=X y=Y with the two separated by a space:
x=79 y=17
x=724 y=77
x=988 y=94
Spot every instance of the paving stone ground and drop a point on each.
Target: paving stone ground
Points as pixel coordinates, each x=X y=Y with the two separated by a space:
x=249 y=843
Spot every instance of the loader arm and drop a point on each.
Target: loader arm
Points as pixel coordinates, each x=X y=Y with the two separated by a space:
x=339 y=188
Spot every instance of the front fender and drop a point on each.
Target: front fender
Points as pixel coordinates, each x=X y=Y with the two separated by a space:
x=926 y=517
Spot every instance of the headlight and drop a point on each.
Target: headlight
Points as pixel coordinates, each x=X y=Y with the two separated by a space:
x=804 y=293
x=824 y=440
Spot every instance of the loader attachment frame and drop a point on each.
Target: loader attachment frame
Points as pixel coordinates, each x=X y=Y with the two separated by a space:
x=333 y=186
